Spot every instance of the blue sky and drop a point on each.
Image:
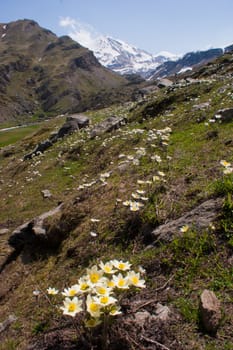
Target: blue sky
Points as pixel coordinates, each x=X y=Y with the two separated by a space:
x=178 y=26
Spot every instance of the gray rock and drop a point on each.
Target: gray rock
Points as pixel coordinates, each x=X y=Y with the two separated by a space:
x=81 y=120
x=164 y=83
x=226 y=114
x=34 y=232
x=162 y=312
x=46 y=194
x=201 y=106
x=7 y=322
x=4 y=231
x=40 y=148
x=142 y=317
x=210 y=311
x=200 y=217
x=107 y=125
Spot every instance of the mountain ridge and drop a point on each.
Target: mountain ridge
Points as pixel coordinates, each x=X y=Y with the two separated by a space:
x=32 y=81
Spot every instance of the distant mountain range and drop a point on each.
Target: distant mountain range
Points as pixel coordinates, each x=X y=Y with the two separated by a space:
x=124 y=58
x=42 y=74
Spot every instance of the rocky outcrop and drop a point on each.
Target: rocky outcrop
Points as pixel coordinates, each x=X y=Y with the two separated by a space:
x=35 y=231
x=72 y=124
x=40 y=148
x=200 y=217
x=107 y=125
x=210 y=311
x=226 y=115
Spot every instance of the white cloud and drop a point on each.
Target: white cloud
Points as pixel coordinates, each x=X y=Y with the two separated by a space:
x=81 y=32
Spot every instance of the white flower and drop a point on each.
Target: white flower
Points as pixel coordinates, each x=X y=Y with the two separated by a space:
x=71 y=306
x=93 y=234
x=225 y=163
x=161 y=173
x=184 y=228
x=120 y=281
x=52 y=291
x=36 y=292
x=92 y=322
x=115 y=310
x=136 y=196
x=228 y=170
x=94 y=275
x=107 y=267
x=121 y=265
x=126 y=203
x=93 y=306
x=103 y=289
x=105 y=300
x=134 y=279
x=71 y=291
x=83 y=285
x=135 y=206
x=95 y=220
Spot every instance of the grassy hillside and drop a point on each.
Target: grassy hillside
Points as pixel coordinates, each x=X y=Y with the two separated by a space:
x=168 y=154
x=43 y=75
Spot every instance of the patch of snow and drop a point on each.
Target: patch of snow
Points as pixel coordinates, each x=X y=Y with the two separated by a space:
x=184 y=69
x=3 y=35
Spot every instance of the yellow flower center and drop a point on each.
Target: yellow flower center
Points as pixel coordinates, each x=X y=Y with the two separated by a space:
x=121 y=266
x=72 y=292
x=84 y=286
x=72 y=307
x=101 y=290
x=104 y=300
x=94 y=307
x=111 y=284
x=135 y=280
x=94 y=277
x=121 y=283
x=107 y=269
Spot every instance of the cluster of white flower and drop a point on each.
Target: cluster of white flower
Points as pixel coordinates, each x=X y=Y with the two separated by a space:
x=96 y=292
x=228 y=169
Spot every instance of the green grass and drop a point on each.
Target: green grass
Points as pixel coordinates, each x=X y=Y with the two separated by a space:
x=188 y=264
x=10 y=137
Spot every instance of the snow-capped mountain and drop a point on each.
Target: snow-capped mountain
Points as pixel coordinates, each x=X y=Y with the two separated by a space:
x=127 y=59
x=115 y=54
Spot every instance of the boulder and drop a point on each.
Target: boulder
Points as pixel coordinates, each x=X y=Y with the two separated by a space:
x=226 y=114
x=35 y=232
x=200 y=217
x=210 y=311
x=81 y=120
x=164 y=83
x=40 y=148
x=107 y=125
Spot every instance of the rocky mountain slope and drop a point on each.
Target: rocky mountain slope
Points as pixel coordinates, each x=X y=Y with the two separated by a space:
x=41 y=73
x=187 y=62
x=148 y=182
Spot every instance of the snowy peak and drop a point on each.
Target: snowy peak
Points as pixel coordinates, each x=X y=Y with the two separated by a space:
x=113 y=53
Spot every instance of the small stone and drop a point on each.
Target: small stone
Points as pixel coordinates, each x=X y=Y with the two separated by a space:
x=141 y=318
x=162 y=312
x=210 y=311
x=4 y=231
x=46 y=193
